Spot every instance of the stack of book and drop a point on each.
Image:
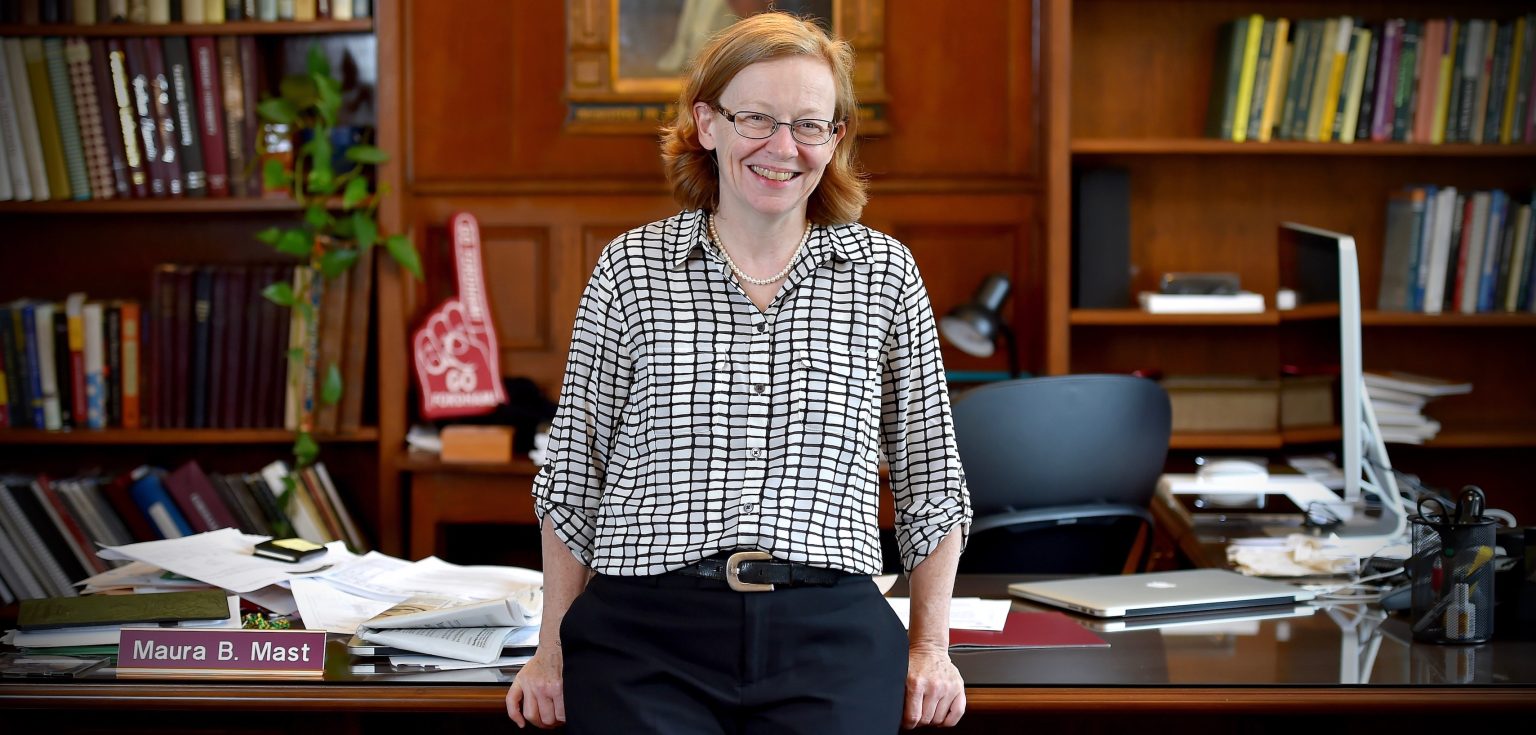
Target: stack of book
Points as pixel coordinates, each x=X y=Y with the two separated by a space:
x=51 y=528
x=1451 y=250
x=1398 y=400
x=1343 y=79
x=89 y=626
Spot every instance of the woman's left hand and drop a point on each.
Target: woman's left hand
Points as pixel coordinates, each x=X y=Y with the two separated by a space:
x=935 y=691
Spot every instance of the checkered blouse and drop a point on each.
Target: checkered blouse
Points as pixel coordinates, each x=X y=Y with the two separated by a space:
x=690 y=422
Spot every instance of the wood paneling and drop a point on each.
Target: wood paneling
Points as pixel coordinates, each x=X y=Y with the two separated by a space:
x=484 y=96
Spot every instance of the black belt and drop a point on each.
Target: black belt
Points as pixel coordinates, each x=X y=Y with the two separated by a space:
x=755 y=571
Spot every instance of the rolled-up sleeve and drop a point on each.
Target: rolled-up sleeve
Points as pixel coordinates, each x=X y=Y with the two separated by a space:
x=569 y=487
x=925 y=474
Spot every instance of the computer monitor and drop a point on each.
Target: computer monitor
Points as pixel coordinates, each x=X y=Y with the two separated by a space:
x=1322 y=333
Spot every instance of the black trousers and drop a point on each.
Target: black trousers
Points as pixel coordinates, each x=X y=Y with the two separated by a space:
x=673 y=654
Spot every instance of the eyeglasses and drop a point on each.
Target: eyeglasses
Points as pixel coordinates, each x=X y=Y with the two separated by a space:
x=756 y=125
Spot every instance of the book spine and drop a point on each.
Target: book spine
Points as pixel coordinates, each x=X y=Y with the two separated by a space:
x=28 y=331
x=47 y=119
x=68 y=526
x=1402 y=90
x=233 y=86
x=48 y=571
x=19 y=387
x=107 y=119
x=150 y=495
x=163 y=103
x=202 y=314
x=98 y=162
x=119 y=495
x=26 y=117
x=124 y=97
x=95 y=363
x=74 y=339
x=132 y=361
x=68 y=121
x=251 y=79
x=184 y=99
x=14 y=174
x=64 y=371
x=184 y=318
x=47 y=366
x=18 y=574
x=190 y=487
x=159 y=327
x=210 y=115
x=236 y=383
x=355 y=351
x=56 y=543
x=142 y=85
x=112 y=344
x=333 y=324
x=218 y=363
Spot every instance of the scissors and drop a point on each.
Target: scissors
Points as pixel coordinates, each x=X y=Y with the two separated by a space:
x=1468 y=507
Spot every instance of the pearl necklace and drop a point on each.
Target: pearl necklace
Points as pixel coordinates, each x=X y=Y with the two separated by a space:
x=775 y=278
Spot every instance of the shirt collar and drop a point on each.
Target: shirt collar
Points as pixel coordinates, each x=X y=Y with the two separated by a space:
x=838 y=241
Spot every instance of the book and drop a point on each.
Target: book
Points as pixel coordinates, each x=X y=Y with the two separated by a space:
x=95 y=365
x=1420 y=385
x=132 y=362
x=199 y=501
x=93 y=136
x=164 y=607
x=149 y=493
x=124 y=112
x=141 y=86
x=112 y=369
x=68 y=525
x=232 y=84
x=108 y=118
x=162 y=99
x=47 y=119
x=1028 y=630
x=184 y=96
x=68 y=121
x=26 y=118
x=354 y=356
x=201 y=316
x=47 y=364
x=13 y=567
x=209 y=111
x=1242 y=302
x=332 y=318
x=52 y=550
x=67 y=372
x=12 y=153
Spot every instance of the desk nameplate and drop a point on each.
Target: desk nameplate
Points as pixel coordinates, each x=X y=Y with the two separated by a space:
x=230 y=652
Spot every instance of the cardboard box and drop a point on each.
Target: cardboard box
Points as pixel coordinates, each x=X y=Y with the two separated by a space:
x=478 y=444
x=1208 y=403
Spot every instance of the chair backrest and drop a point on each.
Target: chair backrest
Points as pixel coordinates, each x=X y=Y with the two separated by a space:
x=1070 y=443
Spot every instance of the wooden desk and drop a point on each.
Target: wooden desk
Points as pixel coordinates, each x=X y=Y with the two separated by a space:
x=1245 y=675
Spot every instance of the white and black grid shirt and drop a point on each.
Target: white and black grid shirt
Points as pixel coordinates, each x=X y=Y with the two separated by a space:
x=691 y=422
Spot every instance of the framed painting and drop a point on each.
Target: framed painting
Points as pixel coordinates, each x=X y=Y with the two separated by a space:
x=625 y=58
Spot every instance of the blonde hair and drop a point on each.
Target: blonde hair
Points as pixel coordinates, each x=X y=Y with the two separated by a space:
x=691 y=169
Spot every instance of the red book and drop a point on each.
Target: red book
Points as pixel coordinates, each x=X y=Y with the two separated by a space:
x=162 y=99
x=194 y=493
x=210 y=114
x=69 y=526
x=1030 y=630
x=124 y=112
x=119 y=495
x=132 y=362
x=141 y=87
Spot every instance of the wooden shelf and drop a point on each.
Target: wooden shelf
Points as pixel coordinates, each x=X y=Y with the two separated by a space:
x=422 y=462
x=1493 y=437
x=132 y=437
x=1225 y=440
x=1211 y=147
x=1405 y=319
x=240 y=28
x=1137 y=317
x=153 y=206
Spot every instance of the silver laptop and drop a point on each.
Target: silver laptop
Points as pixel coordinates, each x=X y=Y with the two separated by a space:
x=1160 y=593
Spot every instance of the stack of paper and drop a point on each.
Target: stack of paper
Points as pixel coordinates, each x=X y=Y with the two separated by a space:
x=1398 y=399
x=479 y=632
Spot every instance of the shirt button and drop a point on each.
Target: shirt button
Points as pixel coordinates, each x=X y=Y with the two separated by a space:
x=759 y=388
x=756 y=453
x=761 y=328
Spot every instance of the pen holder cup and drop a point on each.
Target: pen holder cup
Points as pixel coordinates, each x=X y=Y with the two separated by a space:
x=1452 y=576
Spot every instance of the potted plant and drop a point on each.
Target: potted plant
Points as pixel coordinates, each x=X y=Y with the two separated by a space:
x=340 y=218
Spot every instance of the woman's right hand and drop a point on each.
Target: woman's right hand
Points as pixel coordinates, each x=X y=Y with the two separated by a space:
x=537 y=695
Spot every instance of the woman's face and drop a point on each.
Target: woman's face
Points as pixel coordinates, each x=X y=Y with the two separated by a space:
x=772 y=176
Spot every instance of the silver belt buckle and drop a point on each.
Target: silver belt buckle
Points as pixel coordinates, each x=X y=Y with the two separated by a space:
x=733 y=568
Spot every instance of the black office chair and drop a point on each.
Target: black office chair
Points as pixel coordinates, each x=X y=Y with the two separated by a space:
x=1061 y=471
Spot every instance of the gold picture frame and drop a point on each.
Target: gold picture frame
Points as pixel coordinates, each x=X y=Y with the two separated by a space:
x=624 y=58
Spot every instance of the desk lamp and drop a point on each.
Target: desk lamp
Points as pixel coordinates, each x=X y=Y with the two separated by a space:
x=975 y=326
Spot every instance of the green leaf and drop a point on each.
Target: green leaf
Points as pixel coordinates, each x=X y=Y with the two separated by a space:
x=274 y=176
x=317 y=217
x=305 y=449
x=278 y=110
x=279 y=293
x=404 y=253
x=363 y=153
x=299 y=90
x=270 y=236
x=306 y=310
x=321 y=174
x=316 y=62
x=296 y=355
x=330 y=391
x=364 y=230
x=356 y=191
x=327 y=98
x=296 y=242
x=337 y=262
x=344 y=228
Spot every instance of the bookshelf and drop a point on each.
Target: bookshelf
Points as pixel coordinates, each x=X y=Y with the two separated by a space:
x=108 y=248
x=1127 y=86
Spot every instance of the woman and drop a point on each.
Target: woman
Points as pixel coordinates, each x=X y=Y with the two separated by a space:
x=734 y=375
